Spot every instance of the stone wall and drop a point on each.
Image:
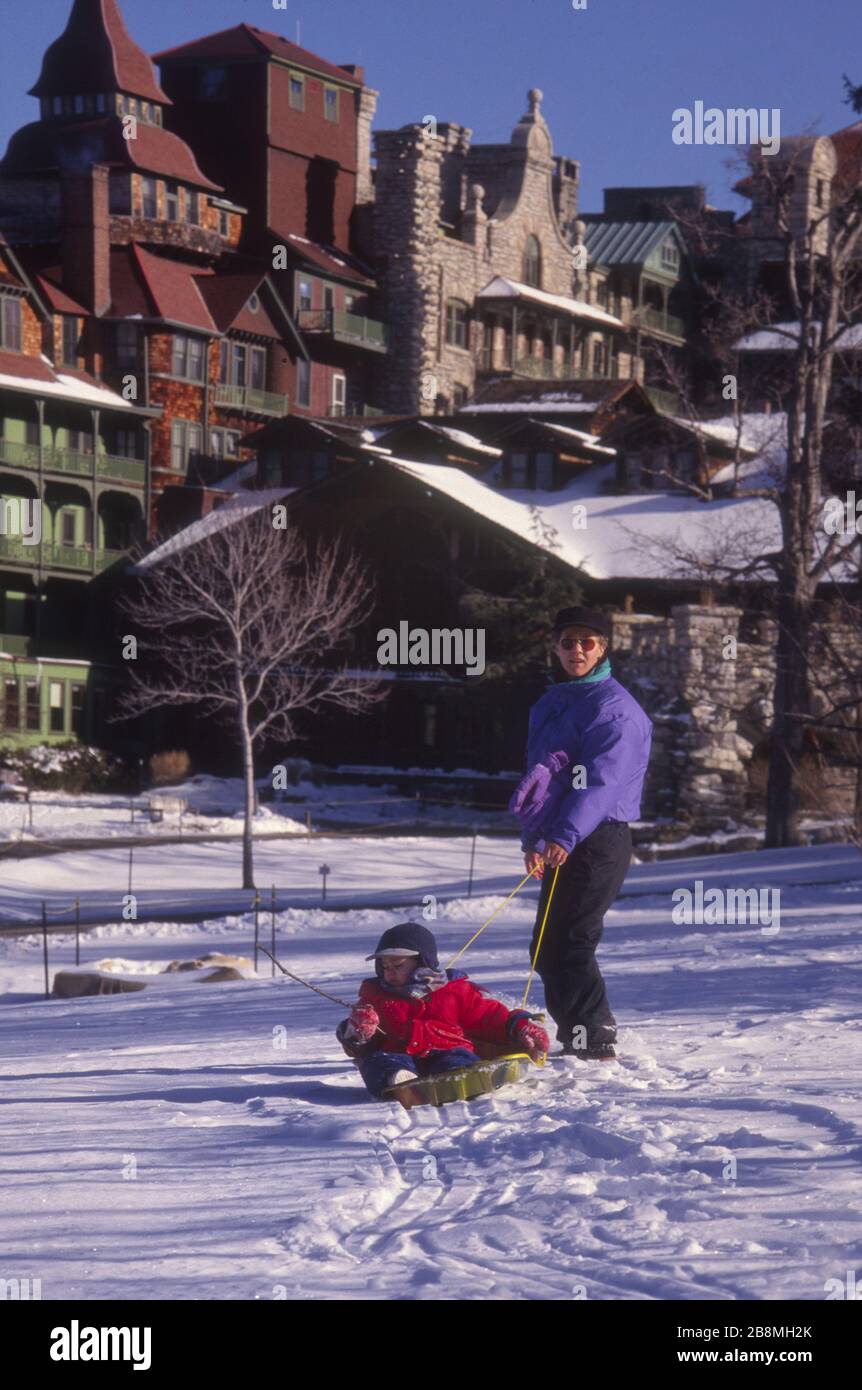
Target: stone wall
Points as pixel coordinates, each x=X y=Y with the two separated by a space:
x=709 y=694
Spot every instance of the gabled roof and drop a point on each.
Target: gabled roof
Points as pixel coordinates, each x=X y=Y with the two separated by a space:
x=37 y=377
x=627 y=243
x=157 y=287
x=46 y=146
x=95 y=53
x=247 y=41
x=336 y=264
x=452 y=440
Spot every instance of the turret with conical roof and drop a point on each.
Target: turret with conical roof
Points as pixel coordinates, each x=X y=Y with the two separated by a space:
x=95 y=53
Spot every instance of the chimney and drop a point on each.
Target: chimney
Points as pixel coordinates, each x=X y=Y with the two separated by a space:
x=85 y=238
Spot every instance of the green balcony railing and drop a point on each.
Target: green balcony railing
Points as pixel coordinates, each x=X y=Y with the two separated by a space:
x=65 y=557
x=114 y=466
x=353 y=328
x=647 y=317
x=21 y=455
x=249 y=398
x=541 y=368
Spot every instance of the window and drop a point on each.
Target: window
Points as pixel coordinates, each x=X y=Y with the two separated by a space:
x=188 y=357
x=532 y=272
x=602 y=294
x=238 y=364
x=100 y=101
x=459 y=396
x=33 y=707
x=79 y=106
x=297 y=92
x=305 y=294
x=253 y=304
x=518 y=467
x=146 y=112
x=303 y=382
x=193 y=215
x=67 y=527
x=545 y=471
x=10 y=323
x=81 y=441
x=11 y=705
x=126 y=443
x=70 y=341
x=339 y=393
x=79 y=702
x=669 y=256
x=821 y=193
x=223 y=223
x=31 y=432
x=257 y=374
x=213 y=84
x=186 y=438
x=126 y=343
x=172 y=202
x=330 y=103
x=57 y=706
x=120 y=194
x=58 y=106
x=456 y=323
x=149 y=197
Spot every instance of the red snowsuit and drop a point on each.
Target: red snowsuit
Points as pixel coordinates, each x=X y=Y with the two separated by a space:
x=451 y=1016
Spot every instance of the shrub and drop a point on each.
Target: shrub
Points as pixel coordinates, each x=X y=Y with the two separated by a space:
x=67 y=767
x=169 y=767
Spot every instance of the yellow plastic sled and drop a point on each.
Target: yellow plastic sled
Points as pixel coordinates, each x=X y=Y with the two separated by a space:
x=464 y=1084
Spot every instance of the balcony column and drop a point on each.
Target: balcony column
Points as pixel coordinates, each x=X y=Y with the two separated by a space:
x=96 y=417
x=554 y=346
x=514 y=353
x=40 y=415
x=572 y=367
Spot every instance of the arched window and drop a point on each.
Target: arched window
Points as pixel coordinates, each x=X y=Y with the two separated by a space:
x=532 y=262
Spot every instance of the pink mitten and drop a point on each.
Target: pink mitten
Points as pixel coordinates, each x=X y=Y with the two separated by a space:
x=534 y=1039
x=362 y=1024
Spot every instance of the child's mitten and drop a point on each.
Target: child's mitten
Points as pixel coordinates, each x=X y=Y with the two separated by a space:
x=362 y=1024
x=534 y=1039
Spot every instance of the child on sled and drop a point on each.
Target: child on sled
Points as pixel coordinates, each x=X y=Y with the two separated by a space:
x=416 y=1020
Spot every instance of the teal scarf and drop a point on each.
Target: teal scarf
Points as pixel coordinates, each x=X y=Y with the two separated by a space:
x=598 y=673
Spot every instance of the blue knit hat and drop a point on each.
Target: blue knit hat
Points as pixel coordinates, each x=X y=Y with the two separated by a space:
x=413 y=939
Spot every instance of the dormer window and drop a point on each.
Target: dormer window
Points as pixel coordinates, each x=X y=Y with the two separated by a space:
x=172 y=202
x=532 y=272
x=149 y=197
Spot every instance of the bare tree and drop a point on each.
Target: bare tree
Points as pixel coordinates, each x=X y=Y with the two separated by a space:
x=243 y=623
x=820 y=257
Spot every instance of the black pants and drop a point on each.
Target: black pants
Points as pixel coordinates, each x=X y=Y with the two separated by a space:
x=587 y=884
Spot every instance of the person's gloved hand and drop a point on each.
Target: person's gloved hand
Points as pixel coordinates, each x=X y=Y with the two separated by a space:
x=532 y=789
x=534 y=1039
x=362 y=1024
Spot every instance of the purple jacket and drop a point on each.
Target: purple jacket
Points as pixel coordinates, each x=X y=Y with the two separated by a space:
x=594 y=725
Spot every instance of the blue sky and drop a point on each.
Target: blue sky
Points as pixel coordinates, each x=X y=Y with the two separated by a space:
x=612 y=74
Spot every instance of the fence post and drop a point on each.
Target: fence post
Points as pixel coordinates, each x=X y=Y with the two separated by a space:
x=323 y=871
x=77 y=931
x=472 y=860
x=45 y=945
x=256 y=925
x=272 y=933
x=308 y=823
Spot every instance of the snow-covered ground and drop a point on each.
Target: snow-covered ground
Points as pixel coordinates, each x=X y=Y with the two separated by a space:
x=212 y=1142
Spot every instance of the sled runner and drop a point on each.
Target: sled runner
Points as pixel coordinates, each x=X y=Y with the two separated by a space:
x=464 y=1084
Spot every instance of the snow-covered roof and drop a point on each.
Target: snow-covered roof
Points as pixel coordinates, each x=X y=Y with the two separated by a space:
x=560 y=402
x=762 y=438
x=69 y=388
x=469 y=440
x=632 y=536
x=784 y=337
x=502 y=288
x=587 y=441
x=237 y=508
